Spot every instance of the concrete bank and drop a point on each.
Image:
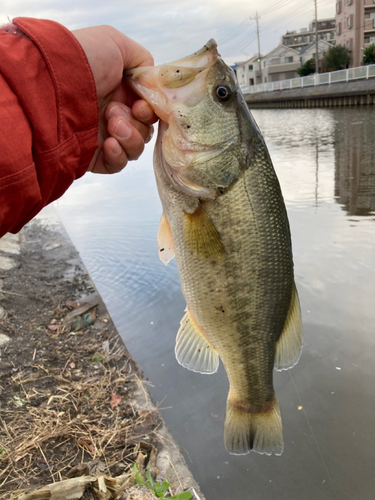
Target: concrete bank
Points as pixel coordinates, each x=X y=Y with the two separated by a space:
x=354 y=93
x=42 y=278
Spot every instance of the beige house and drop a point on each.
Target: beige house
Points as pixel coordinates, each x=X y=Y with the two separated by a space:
x=280 y=64
x=355 y=27
x=309 y=52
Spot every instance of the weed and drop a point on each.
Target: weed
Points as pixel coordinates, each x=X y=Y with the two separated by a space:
x=158 y=488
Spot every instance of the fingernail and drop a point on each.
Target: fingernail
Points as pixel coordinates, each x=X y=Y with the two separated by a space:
x=118 y=111
x=116 y=148
x=145 y=113
x=150 y=134
x=123 y=129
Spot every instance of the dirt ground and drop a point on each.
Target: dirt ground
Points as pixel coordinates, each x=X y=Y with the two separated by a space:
x=67 y=383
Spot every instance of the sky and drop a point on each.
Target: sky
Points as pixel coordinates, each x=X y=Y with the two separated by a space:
x=171 y=29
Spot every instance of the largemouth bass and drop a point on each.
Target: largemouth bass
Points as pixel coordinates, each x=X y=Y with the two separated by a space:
x=225 y=221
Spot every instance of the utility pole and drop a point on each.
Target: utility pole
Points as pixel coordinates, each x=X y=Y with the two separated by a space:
x=316 y=40
x=259 y=57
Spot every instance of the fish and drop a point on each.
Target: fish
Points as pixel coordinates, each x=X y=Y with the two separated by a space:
x=225 y=222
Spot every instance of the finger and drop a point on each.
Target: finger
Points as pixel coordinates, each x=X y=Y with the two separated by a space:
x=142 y=111
x=133 y=54
x=121 y=110
x=129 y=138
x=114 y=156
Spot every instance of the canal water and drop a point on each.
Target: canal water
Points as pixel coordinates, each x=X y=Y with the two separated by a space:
x=325 y=161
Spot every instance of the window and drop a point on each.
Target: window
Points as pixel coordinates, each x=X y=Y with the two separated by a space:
x=275 y=78
x=288 y=59
x=289 y=75
x=243 y=69
x=349 y=2
x=250 y=67
x=251 y=81
x=348 y=22
x=338 y=29
x=367 y=39
x=367 y=15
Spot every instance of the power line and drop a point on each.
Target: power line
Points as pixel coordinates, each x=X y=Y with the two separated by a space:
x=301 y=11
x=235 y=32
x=276 y=6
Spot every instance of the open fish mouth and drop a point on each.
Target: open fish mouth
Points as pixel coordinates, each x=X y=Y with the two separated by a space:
x=161 y=85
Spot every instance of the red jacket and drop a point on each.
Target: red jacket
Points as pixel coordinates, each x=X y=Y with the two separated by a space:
x=48 y=118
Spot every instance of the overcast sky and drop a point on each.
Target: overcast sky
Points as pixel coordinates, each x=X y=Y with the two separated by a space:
x=171 y=29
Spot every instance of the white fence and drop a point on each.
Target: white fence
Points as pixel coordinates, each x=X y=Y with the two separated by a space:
x=343 y=75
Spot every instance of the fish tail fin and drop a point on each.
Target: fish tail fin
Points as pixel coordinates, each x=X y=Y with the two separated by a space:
x=259 y=431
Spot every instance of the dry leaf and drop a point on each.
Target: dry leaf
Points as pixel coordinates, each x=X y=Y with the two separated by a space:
x=86 y=445
x=115 y=400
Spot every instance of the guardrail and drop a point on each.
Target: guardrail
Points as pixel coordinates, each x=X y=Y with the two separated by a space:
x=344 y=75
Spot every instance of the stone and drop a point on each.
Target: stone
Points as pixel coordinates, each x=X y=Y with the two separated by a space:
x=10 y=243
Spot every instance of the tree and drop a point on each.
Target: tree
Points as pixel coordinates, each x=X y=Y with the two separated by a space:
x=337 y=57
x=307 y=69
x=369 y=55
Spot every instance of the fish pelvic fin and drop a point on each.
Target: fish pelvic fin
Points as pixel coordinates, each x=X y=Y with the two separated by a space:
x=202 y=237
x=289 y=344
x=259 y=431
x=193 y=351
x=165 y=241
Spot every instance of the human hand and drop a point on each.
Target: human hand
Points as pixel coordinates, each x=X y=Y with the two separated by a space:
x=125 y=120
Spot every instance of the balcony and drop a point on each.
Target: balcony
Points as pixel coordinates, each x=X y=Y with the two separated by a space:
x=283 y=67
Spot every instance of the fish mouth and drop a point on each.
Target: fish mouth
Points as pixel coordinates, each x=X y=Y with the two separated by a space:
x=164 y=86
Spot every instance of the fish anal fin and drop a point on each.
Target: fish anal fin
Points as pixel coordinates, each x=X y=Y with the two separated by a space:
x=202 y=237
x=259 y=431
x=289 y=344
x=165 y=241
x=193 y=351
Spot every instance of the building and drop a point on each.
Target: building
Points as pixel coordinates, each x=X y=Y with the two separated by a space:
x=309 y=52
x=305 y=36
x=249 y=72
x=280 y=64
x=355 y=27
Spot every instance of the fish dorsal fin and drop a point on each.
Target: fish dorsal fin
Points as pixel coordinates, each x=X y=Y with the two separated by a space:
x=289 y=344
x=201 y=235
x=165 y=241
x=193 y=351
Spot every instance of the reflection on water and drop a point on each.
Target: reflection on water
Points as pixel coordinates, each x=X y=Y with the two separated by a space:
x=325 y=163
x=355 y=163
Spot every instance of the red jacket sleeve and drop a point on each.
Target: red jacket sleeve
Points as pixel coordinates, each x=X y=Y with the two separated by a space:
x=48 y=118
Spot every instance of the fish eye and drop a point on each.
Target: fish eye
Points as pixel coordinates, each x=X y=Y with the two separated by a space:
x=223 y=93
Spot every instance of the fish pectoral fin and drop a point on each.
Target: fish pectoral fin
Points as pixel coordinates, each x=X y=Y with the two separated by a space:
x=289 y=344
x=260 y=431
x=165 y=241
x=202 y=237
x=193 y=350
